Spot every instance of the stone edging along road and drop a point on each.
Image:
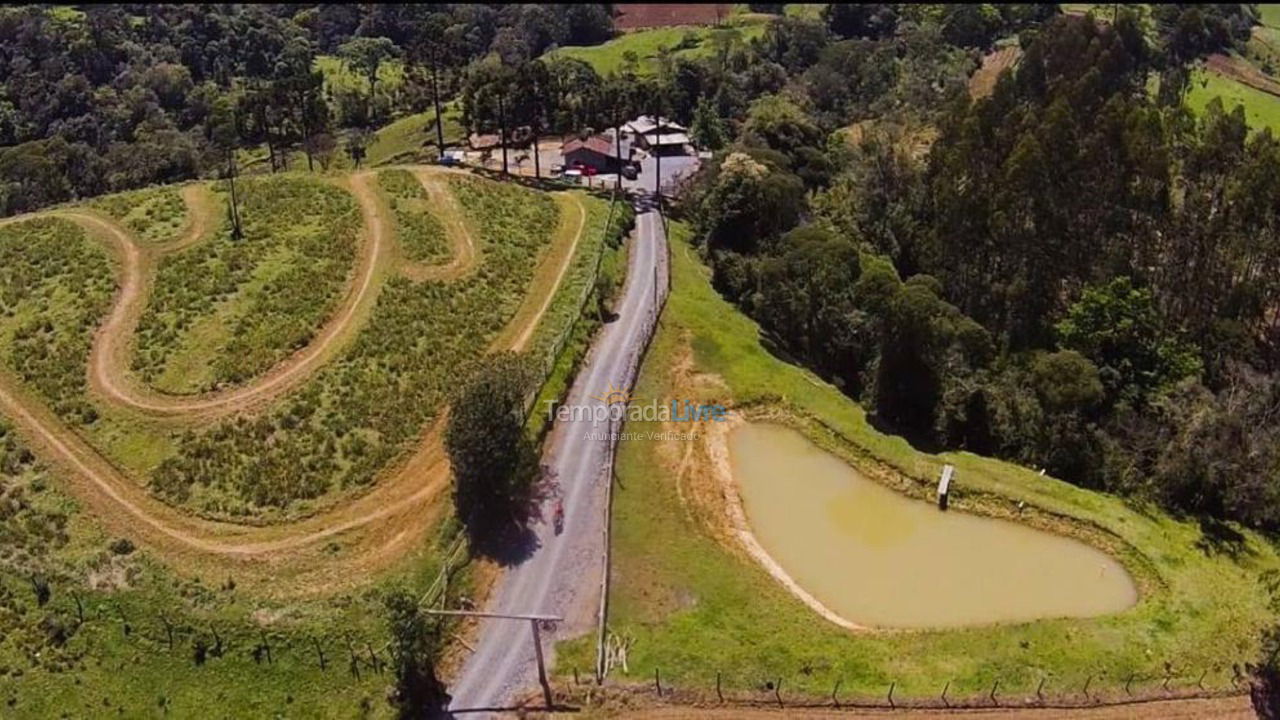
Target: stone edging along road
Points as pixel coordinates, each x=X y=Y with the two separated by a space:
x=371 y=530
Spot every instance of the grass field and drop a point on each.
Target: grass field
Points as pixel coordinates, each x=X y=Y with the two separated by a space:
x=695 y=608
x=363 y=409
x=155 y=215
x=403 y=140
x=419 y=234
x=90 y=638
x=646 y=46
x=1260 y=108
x=1269 y=14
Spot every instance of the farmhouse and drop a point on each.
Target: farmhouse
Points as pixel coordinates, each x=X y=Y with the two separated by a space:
x=659 y=135
x=597 y=151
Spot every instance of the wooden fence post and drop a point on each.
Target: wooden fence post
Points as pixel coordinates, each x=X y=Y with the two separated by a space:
x=945 y=688
x=657 y=681
x=719 y=694
x=995 y=686
x=777 y=691
x=892 y=685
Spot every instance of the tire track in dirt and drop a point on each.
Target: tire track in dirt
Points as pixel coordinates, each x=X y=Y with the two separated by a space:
x=549 y=275
x=109 y=375
x=371 y=531
x=455 y=225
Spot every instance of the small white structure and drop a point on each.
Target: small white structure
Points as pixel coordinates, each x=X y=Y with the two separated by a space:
x=944 y=486
x=658 y=135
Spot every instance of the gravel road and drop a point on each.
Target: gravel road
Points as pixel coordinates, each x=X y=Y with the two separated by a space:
x=562 y=575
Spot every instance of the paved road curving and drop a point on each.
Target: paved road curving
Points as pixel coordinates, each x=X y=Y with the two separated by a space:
x=562 y=574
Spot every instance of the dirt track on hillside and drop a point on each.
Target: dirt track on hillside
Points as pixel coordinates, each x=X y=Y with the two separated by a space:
x=454 y=221
x=109 y=360
x=330 y=550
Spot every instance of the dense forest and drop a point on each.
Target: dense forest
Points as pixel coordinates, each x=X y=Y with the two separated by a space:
x=1075 y=273
x=112 y=97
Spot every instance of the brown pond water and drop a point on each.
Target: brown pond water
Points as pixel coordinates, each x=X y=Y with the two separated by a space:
x=879 y=558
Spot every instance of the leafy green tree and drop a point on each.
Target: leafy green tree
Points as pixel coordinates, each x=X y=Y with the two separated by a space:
x=748 y=202
x=708 y=129
x=860 y=20
x=415 y=645
x=1066 y=381
x=366 y=55
x=493 y=461
x=1118 y=327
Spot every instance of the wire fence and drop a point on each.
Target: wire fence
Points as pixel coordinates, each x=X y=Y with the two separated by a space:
x=1094 y=690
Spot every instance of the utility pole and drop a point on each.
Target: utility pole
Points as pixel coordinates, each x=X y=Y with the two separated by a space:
x=231 y=179
x=657 y=157
x=502 y=121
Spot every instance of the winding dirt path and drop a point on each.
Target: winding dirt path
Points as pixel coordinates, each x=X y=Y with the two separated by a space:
x=109 y=358
x=562 y=254
x=335 y=548
x=446 y=209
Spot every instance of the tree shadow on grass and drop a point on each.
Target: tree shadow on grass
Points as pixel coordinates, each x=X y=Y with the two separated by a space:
x=1219 y=538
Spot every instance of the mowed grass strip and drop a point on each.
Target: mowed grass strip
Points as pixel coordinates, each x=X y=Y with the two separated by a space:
x=696 y=608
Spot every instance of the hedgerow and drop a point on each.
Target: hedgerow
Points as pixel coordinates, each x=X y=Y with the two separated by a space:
x=55 y=285
x=420 y=234
x=273 y=287
x=358 y=413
